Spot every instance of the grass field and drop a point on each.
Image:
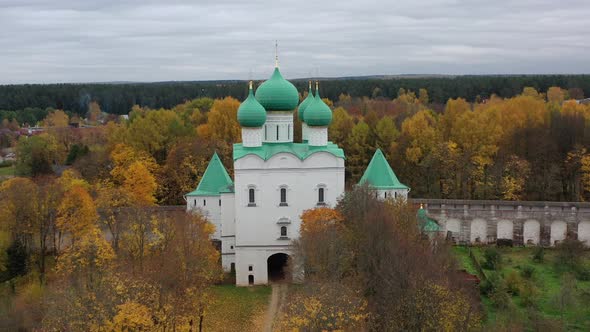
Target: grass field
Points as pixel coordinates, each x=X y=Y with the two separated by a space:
x=547 y=279
x=237 y=308
x=6 y=171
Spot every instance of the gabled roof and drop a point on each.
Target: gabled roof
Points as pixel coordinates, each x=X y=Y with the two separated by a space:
x=215 y=181
x=379 y=174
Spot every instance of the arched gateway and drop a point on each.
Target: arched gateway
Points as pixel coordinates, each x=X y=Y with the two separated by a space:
x=278 y=267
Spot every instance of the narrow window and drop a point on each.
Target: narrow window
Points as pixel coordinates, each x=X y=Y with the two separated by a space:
x=288 y=131
x=283 y=196
x=232 y=267
x=283 y=231
x=204 y=202
x=386 y=194
x=277 y=132
x=250 y=267
x=219 y=202
x=321 y=195
x=195 y=202
x=251 y=198
x=265 y=130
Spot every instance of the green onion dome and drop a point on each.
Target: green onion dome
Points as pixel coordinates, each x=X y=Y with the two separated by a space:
x=306 y=102
x=250 y=112
x=318 y=114
x=277 y=94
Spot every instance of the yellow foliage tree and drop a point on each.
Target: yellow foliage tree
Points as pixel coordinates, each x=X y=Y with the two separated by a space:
x=140 y=184
x=223 y=121
x=76 y=214
x=57 y=118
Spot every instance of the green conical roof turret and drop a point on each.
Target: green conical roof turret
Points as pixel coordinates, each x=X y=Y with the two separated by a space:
x=317 y=113
x=215 y=180
x=250 y=112
x=379 y=174
x=305 y=103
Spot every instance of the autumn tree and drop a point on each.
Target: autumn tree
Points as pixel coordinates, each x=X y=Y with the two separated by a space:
x=57 y=118
x=222 y=121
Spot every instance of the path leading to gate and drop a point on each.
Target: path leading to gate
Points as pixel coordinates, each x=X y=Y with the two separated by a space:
x=277 y=299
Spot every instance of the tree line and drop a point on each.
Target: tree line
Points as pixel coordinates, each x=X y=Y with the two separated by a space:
x=533 y=146
x=119 y=98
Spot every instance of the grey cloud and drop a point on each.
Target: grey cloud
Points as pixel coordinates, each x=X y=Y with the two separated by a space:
x=147 y=40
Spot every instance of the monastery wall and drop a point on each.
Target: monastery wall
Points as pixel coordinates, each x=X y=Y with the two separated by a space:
x=481 y=221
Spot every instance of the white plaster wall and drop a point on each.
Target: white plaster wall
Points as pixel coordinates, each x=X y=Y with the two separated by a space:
x=584 y=232
x=256 y=228
x=209 y=207
x=317 y=136
x=257 y=258
x=227 y=260
x=479 y=228
x=505 y=229
x=531 y=231
x=252 y=137
x=558 y=231
x=304 y=133
x=392 y=194
x=453 y=225
x=228 y=215
x=282 y=120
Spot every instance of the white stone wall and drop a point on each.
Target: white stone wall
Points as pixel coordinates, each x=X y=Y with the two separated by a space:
x=454 y=226
x=395 y=194
x=252 y=137
x=584 y=232
x=304 y=133
x=558 y=231
x=281 y=120
x=228 y=230
x=255 y=257
x=531 y=232
x=505 y=229
x=317 y=136
x=210 y=207
x=479 y=229
x=258 y=227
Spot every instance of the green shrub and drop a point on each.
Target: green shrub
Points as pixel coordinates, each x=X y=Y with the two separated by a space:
x=513 y=283
x=493 y=281
x=500 y=297
x=569 y=254
x=527 y=272
x=492 y=258
x=529 y=294
x=539 y=254
x=582 y=273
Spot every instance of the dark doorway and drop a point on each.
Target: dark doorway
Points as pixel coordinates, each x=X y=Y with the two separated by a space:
x=277 y=265
x=250 y=280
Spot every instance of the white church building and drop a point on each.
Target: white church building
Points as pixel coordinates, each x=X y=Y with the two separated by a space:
x=257 y=214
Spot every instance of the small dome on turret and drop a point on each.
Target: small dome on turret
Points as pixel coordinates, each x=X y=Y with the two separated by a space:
x=277 y=94
x=306 y=102
x=318 y=114
x=251 y=113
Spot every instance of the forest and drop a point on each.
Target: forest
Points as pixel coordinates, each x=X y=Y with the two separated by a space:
x=532 y=146
x=118 y=98
x=80 y=249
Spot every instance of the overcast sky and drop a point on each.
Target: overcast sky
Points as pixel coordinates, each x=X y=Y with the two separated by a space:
x=43 y=41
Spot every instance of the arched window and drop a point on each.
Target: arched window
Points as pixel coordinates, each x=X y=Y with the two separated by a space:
x=321 y=198
x=251 y=197
x=283 y=231
x=277 y=132
x=386 y=194
x=283 y=197
x=204 y=202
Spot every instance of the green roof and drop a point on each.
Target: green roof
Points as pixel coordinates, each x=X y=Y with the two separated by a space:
x=306 y=102
x=277 y=94
x=250 y=112
x=379 y=174
x=318 y=114
x=215 y=180
x=300 y=150
x=427 y=224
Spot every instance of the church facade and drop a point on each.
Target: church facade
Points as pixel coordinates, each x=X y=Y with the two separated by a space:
x=257 y=214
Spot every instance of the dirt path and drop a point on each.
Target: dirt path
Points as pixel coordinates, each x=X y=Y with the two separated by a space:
x=277 y=299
